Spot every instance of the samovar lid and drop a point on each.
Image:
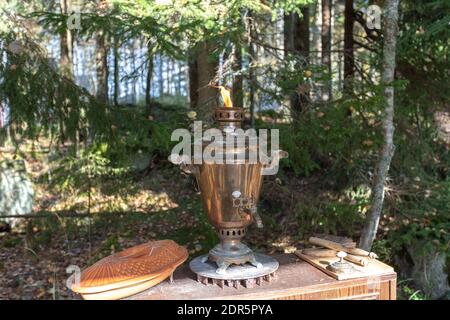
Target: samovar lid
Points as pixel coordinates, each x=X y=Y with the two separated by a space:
x=227 y=114
x=229 y=118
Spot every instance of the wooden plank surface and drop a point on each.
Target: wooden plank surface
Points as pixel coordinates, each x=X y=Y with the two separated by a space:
x=295 y=279
x=374 y=268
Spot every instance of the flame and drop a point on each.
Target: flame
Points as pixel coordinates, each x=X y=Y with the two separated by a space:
x=226 y=96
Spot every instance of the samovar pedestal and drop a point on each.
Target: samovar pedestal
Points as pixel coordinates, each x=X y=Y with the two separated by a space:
x=232 y=263
x=236 y=274
x=231 y=251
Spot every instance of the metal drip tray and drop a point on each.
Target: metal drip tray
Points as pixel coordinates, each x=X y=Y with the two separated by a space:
x=246 y=275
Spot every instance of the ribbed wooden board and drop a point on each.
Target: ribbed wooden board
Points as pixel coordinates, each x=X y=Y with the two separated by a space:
x=375 y=267
x=132 y=266
x=124 y=292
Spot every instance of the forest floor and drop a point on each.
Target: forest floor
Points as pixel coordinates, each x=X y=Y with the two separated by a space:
x=132 y=207
x=124 y=212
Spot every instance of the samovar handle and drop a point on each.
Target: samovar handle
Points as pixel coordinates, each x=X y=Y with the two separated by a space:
x=184 y=164
x=272 y=167
x=189 y=168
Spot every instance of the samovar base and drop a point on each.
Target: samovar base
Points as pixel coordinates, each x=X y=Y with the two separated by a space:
x=226 y=254
x=236 y=275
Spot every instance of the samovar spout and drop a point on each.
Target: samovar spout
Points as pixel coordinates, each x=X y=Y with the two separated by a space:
x=247 y=206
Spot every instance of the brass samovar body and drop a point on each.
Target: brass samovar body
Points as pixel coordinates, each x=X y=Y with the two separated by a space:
x=230 y=193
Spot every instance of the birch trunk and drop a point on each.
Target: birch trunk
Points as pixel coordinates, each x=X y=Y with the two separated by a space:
x=390 y=30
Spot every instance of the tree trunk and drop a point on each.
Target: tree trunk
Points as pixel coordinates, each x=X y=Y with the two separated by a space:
x=170 y=71
x=390 y=30
x=429 y=270
x=206 y=69
x=316 y=40
x=1 y=115
x=296 y=32
x=238 y=95
x=101 y=59
x=252 y=57
x=2 y=133
x=296 y=39
x=326 y=46
x=148 y=84
x=66 y=45
x=193 y=79
x=349 y=59
x=116 y=72
x=66 y=67
x=179 y=76
x=161 y=77
x=133 y=68
x=301 y=38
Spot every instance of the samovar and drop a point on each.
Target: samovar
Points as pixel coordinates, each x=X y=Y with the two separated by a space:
x=230 y=191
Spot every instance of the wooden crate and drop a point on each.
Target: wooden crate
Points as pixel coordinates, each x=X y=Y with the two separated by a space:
x=295 y=279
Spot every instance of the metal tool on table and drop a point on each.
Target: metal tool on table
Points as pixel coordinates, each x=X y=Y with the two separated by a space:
x=341 y=266
x=341 y=261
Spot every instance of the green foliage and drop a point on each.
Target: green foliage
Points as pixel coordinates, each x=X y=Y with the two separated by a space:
x=407 y=292
x=133 y=131
x=40 y=99
x=339 y=213
x=117 y=23
x=421 y=168
x=78 y=173
x=341 y=137
x=424 y=217
x=383 y=248
x=111 y=244
x=338 y=139
x=11 y=242
x=329 y=217
x=423 y=50
x=292 y=5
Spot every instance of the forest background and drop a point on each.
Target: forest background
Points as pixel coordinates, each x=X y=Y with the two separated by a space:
x=90 y=92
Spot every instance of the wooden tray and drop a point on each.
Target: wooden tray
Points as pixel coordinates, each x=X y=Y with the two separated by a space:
x=127 y=291
x=141 y=264
x=374 y=268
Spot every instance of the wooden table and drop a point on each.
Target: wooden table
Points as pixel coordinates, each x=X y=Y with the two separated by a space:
x=295 y=279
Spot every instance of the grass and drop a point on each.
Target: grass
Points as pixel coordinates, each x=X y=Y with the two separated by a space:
x=406 y=291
